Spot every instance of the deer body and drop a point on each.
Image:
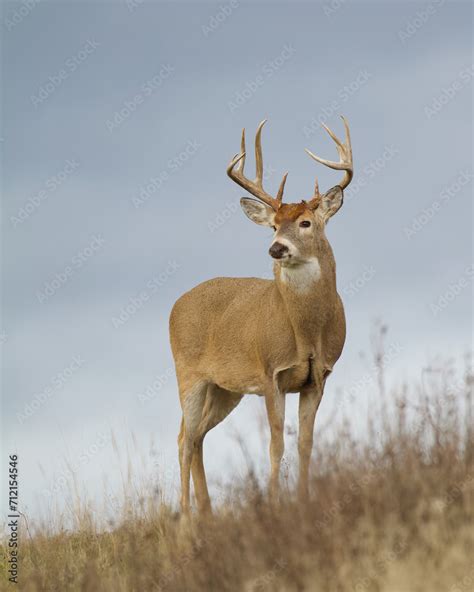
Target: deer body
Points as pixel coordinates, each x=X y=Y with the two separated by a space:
x=240 y=332
x=236 y=336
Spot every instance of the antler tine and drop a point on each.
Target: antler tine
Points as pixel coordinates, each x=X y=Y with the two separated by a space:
x=279 y=196
x=254 y=187
x=345 y=155
x=242 y=151
x=258 y=154
x=316 y=188
x=340 y=145
x=316 y=200
x=230 y=169
x=234 y=174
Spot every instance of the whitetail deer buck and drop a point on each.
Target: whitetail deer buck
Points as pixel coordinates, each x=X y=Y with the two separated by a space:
x=235 y=336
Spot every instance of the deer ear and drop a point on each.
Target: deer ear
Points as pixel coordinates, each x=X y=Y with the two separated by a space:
x=257 y=211
x=331 y=201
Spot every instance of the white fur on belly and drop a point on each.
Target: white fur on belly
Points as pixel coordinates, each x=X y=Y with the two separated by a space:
x=301 y=278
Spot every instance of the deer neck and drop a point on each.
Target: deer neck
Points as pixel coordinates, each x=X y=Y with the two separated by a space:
x=309 y=295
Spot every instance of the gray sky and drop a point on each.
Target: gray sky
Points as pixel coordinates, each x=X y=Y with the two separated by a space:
x=118 y=122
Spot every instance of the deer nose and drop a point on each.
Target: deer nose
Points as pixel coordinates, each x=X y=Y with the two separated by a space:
x=277 y=250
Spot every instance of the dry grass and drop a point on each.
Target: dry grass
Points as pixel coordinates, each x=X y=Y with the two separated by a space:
x=390 y=512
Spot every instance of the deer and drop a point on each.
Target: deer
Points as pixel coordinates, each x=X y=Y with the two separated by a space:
x=236 y=336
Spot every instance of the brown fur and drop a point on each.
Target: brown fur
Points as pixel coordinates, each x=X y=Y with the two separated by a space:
x=232 y=336
x=291 y=211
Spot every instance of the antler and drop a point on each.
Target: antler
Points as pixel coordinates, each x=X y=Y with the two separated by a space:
x=316 y=200
x=344 y=164
x=255 y=187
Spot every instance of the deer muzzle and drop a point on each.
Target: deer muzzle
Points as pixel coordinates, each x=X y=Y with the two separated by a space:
x=278 y=250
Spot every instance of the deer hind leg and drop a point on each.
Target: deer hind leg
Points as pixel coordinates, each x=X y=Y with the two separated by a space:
x=219 y=403
x=192 y=403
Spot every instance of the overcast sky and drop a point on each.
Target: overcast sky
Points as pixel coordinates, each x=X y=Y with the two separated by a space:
x=118 y=122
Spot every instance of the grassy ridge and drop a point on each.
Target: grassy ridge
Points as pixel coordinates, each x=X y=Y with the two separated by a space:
x=393 y=513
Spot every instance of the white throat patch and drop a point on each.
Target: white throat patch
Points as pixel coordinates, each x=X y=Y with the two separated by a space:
x=301 y=278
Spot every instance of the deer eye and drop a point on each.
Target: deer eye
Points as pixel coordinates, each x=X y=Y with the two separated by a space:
x=305 y=224
x=274 y=228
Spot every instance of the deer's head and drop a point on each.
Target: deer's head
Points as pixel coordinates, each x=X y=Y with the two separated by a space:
x=299 y=227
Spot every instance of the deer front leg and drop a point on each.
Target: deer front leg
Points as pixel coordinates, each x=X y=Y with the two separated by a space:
x=275 y=404
x=310 y=398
